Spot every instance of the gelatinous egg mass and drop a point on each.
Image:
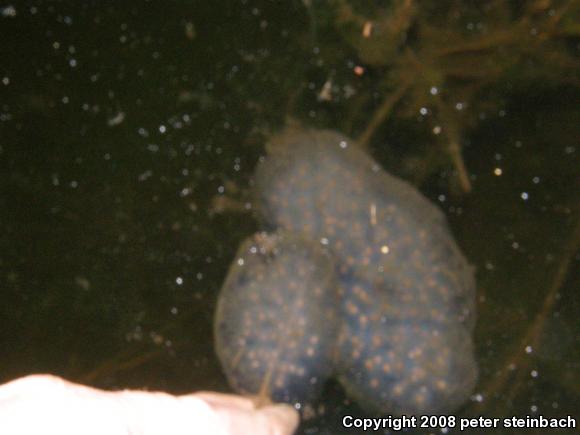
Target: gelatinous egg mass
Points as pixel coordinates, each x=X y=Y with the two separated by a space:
x=397 y=361
x=277 y=317
x=405 y=292
x=319 y=183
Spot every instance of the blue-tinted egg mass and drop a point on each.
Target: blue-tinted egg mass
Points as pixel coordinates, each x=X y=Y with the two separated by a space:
x=405 y=293
x=277 y=317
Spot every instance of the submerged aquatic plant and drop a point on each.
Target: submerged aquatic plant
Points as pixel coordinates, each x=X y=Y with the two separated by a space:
x=450 y=63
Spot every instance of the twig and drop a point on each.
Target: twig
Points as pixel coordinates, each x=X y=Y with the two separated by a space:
x=482 y=44
x=531 y=339
x=116 y=365
x=451 y=131
x=383 y=112
x=454 y=150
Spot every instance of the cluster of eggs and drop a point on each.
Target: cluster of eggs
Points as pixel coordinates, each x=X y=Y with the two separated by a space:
x=356 y=276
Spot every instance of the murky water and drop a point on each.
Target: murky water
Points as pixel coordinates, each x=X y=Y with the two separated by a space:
x=128 y=137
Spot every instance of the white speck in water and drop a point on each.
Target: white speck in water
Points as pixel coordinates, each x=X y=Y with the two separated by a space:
x=174 y=310
x=179 y=280
x=373 y=212
x=349 y=91
x=116 y=120
x=534 y=408
x=9 y=11
x=477 y=397
x=441 y=198
x=324 y=241
x=459 y=106
x=423 y=111
x=529 y=349
x=83 y=282
x=343 y=144
x=385 y=249
x=156 y=338
x=536 y=180
x=433 y=90
x=534 y=373
x=240 y=261
x=525 y=196
x=498 y=171
x=162 y=129
x=437 y=129
x=5 y=81
x=145 y=175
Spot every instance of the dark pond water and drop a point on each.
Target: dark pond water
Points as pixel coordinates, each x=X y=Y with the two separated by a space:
x=129 y=132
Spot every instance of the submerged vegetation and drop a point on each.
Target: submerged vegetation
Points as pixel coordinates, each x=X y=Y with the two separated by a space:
x=450 y=63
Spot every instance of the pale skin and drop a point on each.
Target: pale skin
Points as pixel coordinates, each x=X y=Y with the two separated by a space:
x=49 y=405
